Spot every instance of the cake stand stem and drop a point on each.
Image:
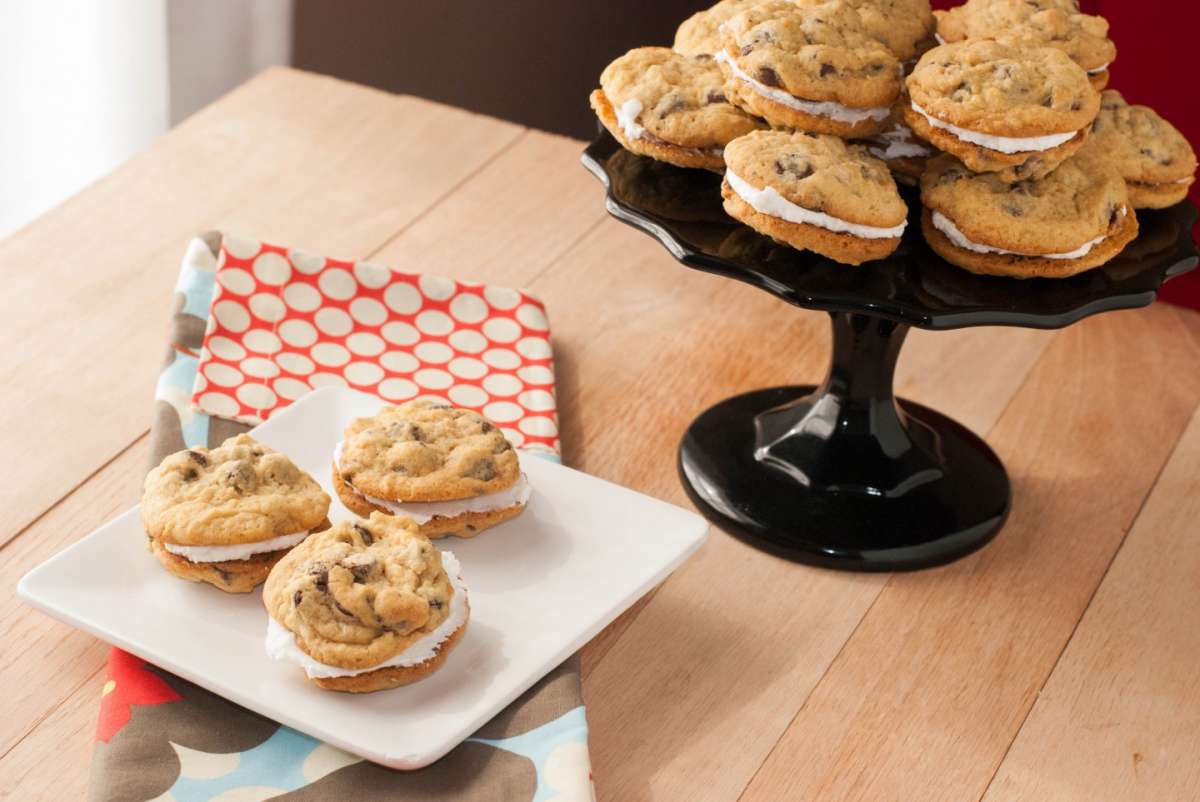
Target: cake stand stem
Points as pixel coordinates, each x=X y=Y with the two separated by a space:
x=843 y=475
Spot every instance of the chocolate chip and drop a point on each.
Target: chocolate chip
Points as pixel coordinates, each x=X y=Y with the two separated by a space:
x=1048 y=101
x=768 y=76
x=191 y=475
x=827 y=69
x=297 y=597
x=713 y=97
x=1166 y=161
x=1076 y=105
x=747 y=50
x=238 y=475
x=502 y=446
x=321 y=580
x=225 y=575
x=365 y=534
x=436 y=605
x=361 y=570
x=1015 y=211
x=198 y=457
x=873 y=69
x=406 y=431
x=486 y=426
x=343 y=610
x=483 y=470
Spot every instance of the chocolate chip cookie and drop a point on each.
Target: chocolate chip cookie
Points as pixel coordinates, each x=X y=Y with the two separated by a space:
x=905 y=27
x=449 y=469
x=669 y=106
x=1017 y=112
x=224 y=516
x=1076 y=218
x=816 y=193
x=1035 y=23
x=811 y=68
x=700 y=34
x=1156 y=161
x=366 y=605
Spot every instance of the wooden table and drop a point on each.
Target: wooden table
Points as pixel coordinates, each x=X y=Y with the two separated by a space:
x=1059 y=663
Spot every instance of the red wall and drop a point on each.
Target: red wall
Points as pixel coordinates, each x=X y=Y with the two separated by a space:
x=1154 y=38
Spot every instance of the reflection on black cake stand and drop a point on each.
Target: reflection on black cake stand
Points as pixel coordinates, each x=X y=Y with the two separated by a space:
x=845 y=475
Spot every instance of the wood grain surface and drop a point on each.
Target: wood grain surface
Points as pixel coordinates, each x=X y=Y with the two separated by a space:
x=1057 y=663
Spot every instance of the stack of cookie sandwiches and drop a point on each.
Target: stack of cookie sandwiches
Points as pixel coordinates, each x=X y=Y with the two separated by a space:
x=366 y=605
x=992 y=108
x=225 y=516
x=448 y=469
x=1034 y=23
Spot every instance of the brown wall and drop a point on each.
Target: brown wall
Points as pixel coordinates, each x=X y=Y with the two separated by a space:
x=532 y=62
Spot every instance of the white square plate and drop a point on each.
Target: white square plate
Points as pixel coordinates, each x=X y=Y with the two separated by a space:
x=541 y=586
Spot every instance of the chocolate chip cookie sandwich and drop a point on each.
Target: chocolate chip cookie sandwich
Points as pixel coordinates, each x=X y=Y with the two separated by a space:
x=448 y=469
x=1155 y=160
x=226 y=515
x=815 y=193
x=365 y=606
x=1016 y=112
x=1076 y=218
x=1035 y=23
x=670 y=107
x=810 y=68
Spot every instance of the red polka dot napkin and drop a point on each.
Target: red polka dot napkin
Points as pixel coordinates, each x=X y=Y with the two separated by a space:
x=284 y=322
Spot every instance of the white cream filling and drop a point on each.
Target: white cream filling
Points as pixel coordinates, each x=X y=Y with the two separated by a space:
x=947 y=227
x=770 y=202
x=281 y=644
x=1003 y=144
x=939 y=38
x=898 y=143
x=627 y=115
x=1099 y=69
x=425 y=511
x=241 y=551
x=822 y=108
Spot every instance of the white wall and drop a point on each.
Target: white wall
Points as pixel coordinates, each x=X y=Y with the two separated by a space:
x=83 y=86
x=217 y=44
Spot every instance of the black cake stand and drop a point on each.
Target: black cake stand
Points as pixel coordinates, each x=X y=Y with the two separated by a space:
x=845 y=475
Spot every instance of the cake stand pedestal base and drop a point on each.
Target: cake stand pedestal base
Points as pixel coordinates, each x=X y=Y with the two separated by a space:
x=843 y=475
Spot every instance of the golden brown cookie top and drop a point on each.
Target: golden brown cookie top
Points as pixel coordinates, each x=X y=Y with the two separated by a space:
x=993 y=88
x=905 y=27
x=820 y=173
x=1032 y=23
x=1073 y=205
x=1142 y=145
x=241 y=492
x=360 y=593
x=700 y=34
x=421 y=451
x=678 y=99
x=818 y=52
